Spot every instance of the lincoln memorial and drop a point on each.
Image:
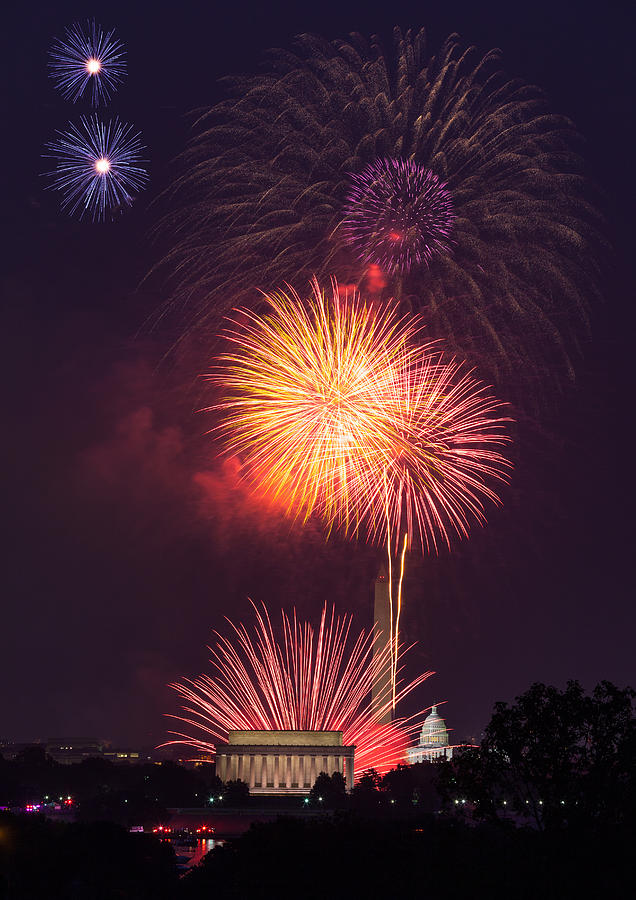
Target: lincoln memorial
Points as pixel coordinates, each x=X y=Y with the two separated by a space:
x=283 y=762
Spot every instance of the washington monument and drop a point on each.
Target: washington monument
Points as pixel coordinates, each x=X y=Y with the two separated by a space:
x=381 y=687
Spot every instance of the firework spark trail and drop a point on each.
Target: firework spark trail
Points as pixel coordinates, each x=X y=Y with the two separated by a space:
x=308 y=680
x=335 y=409
x=98 y=166
x=87 y=58
x=395 y=633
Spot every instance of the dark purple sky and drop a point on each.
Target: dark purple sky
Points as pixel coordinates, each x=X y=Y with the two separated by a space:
x=126 y=542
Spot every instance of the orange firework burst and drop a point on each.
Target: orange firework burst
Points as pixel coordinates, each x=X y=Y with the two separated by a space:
x=336 y=408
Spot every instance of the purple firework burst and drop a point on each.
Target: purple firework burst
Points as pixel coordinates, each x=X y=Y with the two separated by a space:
x=87 y=58
x=99 y=166
x=397 y=215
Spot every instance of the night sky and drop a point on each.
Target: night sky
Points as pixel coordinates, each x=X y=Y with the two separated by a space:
x=127 y=541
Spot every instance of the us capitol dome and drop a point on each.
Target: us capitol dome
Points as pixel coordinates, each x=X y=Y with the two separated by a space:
x=433 y=743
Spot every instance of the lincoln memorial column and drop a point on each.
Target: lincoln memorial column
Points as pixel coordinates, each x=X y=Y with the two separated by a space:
x=288 y=771
x=294 y=769
x=263 y=771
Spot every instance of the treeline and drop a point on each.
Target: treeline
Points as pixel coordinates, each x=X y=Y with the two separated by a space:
x=100 y=790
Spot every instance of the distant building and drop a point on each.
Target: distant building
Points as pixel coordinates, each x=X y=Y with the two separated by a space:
x=73 y=749
x=124 y=756
x=433 y=743
x=283 y=762
x=10 y=749
x=70 y=750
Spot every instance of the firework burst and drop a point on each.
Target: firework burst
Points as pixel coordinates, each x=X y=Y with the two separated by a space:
x=266 y=179
x=98 y=167
x=336 y=409
x=398 y=215
x=87 y=59
x=308 y=680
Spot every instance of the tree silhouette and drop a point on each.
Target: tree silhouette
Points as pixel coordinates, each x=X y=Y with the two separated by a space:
x=329 y=791
x=236 y=793
x=553 y=758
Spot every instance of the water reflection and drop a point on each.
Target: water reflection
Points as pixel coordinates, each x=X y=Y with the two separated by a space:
x=191 y=853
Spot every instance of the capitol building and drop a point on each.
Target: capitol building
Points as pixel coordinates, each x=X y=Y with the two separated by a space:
x=433 y=743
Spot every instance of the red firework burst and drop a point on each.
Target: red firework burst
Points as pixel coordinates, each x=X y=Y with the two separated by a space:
x=309 y=680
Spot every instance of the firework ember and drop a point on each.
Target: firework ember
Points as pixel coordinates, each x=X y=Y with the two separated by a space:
x=308 y=680
x=335 y=409
x=398 y=215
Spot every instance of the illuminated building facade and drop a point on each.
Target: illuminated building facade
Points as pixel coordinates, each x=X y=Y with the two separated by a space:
x=283 y=762
x=433 y=743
